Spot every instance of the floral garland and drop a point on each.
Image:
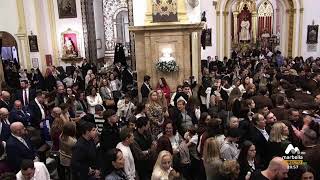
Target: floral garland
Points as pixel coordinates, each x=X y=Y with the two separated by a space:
x=167 y=66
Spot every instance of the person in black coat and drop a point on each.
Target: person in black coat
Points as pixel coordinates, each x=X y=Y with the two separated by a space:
x=5 y=131
x=143 y=149
x=18 y=148
x=25 y=94
x=145 y=88
x=247 y=160
x=18 y=114
x=84 y=154
x=259 y=136
x=5 y=100
x=110 y=135
x=37 y=109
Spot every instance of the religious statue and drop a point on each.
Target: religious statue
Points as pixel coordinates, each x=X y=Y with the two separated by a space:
x=69 y=49
x=265 y=38
x=166 y=55
x=245 y=30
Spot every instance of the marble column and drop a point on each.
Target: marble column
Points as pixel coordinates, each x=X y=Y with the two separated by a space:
x=235 y=27
x=196 y=56
x=218 y=34
x=254 y=26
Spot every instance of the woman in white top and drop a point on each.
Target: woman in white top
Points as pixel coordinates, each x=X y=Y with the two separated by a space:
x=88 y=77
x=162 y=169
x=93 y=99
x=115 y=86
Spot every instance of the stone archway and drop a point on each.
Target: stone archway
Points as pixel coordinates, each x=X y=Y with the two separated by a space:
x=7 y=41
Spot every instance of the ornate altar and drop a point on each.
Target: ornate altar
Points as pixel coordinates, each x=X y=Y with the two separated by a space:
x=244 y=24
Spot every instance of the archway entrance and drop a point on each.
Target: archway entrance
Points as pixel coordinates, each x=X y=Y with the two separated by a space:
x=9 y=59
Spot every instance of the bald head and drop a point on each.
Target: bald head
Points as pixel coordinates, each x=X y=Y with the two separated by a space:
x=5 y=95
x=17 y=129
x=4 y=113
x=279 y=168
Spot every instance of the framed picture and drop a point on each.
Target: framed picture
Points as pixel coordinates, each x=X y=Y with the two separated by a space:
x=99 y=44
x=35 y=63
x=48 y=59
x=70 y=43
x=208 y=37
x=67 y=9
x=312 y=35
x=33 y=43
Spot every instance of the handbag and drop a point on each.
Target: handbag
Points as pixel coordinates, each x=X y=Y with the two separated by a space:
x=109 y=102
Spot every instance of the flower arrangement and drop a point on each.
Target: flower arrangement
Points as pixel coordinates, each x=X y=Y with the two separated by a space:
x=167 y=66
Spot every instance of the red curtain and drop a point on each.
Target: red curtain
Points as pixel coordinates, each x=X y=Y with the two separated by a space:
x=265 y=23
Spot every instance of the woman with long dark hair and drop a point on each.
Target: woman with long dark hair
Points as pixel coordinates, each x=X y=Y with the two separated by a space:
x=247 y=160
x=115 y=157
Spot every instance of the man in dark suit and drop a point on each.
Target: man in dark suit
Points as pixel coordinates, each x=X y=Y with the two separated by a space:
x=37 y=110
x=18 y=114
x=145 y=88
x=18 y=148
x=25 y=94
x=110 y=135
x=84 y=156
x=5 y=100
x=259 y=136
x=4 y=131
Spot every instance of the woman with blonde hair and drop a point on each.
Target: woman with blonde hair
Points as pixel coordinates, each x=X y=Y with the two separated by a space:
x=229 y=170
x=278 y=140
x=211 y=158
x=162 y=169
x=155 y=113
x=162 y=99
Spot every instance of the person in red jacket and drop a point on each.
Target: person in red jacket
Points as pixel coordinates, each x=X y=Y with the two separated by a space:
x=165 y=88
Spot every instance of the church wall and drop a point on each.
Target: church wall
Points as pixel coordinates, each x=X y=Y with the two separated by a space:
x=140 y=8
x=31 y=23
x=207 y=5
x=9 y=20
x=311 y=12
x=75 y=24
x=98 y=17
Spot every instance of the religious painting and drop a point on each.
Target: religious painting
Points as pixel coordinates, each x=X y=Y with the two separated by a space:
x=49 y=59
x=33 y=43
x=312 y=35
x=70 y=44
x=208 y=37
x=164 y=11
x=67 y=9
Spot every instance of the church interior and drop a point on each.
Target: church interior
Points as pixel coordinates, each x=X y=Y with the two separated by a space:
x=224 y=52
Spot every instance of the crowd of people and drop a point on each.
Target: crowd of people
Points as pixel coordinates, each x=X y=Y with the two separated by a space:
x=244 y=120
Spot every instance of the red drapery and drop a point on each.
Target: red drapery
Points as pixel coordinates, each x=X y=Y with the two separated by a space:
x=265 y=23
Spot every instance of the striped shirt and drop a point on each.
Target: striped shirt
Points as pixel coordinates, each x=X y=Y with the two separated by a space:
x=99 y=122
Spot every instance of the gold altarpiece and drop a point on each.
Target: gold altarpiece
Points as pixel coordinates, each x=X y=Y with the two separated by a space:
x=180 y=36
